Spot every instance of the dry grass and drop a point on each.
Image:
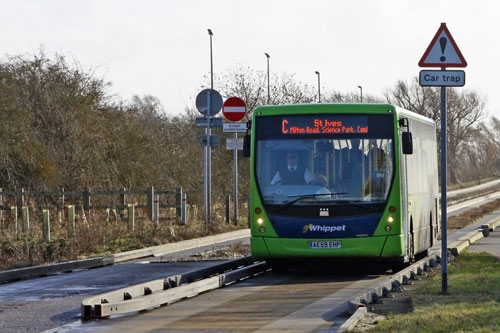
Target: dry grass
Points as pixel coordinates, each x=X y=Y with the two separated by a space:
x=96 y=235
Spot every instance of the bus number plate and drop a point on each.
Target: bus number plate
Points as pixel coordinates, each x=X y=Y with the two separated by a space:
x=325 y=245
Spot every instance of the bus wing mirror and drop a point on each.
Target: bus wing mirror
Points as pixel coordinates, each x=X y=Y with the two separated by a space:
x=407 y=141
x=246 y=145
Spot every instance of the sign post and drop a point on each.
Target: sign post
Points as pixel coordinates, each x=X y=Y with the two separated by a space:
x=443 y=52
x=234 y=109
x=209 y=103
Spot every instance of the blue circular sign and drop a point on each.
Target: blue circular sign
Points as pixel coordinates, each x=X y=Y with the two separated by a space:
x=215 y=101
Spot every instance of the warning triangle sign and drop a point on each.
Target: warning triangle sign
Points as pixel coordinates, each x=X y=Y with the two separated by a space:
x=442 y=51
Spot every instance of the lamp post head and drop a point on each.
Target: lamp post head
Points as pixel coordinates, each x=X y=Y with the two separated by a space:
x=316 y=72
x=267 y=55
x=360 y=87
x=210 y=32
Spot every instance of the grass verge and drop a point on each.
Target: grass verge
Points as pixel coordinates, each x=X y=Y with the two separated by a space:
x=472 y=305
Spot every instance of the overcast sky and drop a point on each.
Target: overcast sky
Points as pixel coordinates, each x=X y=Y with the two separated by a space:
x=161 y=48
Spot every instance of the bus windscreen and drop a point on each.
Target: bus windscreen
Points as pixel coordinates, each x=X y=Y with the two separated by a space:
x=308 y=160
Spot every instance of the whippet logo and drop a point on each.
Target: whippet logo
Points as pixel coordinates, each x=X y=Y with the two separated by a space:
x=322 y=228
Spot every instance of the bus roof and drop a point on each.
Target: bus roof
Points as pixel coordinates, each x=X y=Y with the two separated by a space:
x=274 y=110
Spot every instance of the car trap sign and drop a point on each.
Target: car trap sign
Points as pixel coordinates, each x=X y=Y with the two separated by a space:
x=442 y=51
x=439 y=78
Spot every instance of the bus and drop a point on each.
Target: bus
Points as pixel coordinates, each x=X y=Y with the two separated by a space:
x=342 y=181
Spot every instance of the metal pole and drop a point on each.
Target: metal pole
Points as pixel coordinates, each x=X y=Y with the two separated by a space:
x=319 y=87
x=361 y=93
x=444 y=245
x=235 y=158
x=268 y=91
x=208 y=148
x=228 y=209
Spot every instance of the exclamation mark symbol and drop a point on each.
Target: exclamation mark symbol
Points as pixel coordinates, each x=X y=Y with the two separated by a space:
x=442 y=43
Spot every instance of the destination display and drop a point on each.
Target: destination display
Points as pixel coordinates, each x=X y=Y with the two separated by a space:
x=324 y=124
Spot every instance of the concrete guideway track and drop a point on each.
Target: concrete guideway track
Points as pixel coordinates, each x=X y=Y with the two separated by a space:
x=168 y=290
x=265 y=303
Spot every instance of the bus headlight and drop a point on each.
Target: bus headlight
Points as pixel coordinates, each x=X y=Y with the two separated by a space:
x=390 y=219
x=388 y=228
x=262 y=229
x=260 y=220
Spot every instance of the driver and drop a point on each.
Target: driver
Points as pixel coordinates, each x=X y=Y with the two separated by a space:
x=292 y=173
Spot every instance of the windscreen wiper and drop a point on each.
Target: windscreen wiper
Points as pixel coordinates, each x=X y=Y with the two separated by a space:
x=360 y=204
x=305 y=196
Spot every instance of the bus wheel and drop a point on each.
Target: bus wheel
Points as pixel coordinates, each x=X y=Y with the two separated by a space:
x=411 y=247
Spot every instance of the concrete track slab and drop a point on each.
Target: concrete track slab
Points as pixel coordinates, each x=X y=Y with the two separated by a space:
x=490 y=244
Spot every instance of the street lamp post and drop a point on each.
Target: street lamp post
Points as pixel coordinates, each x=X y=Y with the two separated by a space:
x=208 y=149
x=319 y=87
x=268 y=91
x=361 y=93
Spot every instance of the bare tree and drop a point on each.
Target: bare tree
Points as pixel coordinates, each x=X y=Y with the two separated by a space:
x=465 y=109
x=251 y=86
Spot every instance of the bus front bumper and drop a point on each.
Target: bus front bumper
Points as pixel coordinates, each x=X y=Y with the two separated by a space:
x=366 y=247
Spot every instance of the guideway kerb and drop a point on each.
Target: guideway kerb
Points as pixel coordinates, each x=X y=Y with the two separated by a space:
x=170 y=289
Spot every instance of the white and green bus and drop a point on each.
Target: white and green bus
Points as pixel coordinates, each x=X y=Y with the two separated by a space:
x=342 y=181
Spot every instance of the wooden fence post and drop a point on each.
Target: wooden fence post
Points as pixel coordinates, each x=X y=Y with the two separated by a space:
x=131 y=217
x=156 y=208
x=20 y=201
x=86 y=200
x=123 y=203
x=46 y=225
x=178 y=204
x=61 y=206
x=13 y=215
x=183 y=210
x=71 y=220
x=26 y=218
x=150 y=193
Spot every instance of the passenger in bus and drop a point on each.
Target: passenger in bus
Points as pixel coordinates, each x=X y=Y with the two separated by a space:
x=378 y=181
x=353 y=154
x=351 y=184
x=292 y=173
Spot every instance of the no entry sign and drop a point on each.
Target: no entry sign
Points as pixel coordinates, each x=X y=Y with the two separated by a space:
x=234 y=109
